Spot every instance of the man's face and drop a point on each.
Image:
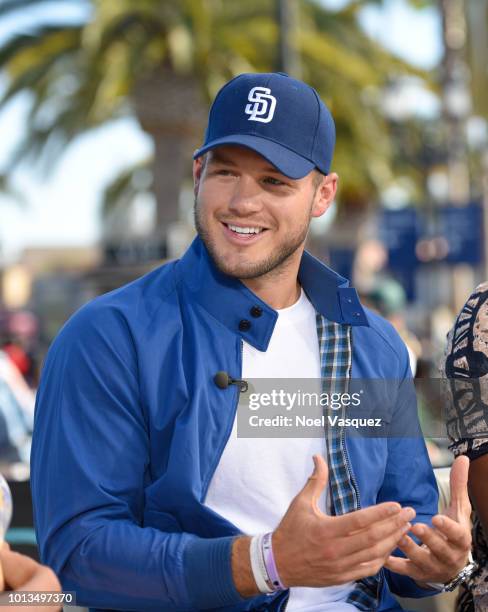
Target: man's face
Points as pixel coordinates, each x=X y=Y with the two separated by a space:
x=251 y=218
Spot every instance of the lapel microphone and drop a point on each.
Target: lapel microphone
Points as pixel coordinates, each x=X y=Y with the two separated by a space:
x=223 y=380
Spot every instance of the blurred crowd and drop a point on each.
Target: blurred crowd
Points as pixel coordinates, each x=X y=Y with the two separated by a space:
x=19 y=372
x=22 y=351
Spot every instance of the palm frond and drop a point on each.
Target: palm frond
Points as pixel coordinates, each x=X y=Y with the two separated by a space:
x=105 y=59
x=8 y=189
x=18 y=44
x=122 y=190
x=28 y=80
x=10 y=6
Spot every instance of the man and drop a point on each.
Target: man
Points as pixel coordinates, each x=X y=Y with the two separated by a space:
x=144 y=496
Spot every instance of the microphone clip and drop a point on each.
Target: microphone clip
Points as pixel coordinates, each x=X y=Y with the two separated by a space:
x=223 y=380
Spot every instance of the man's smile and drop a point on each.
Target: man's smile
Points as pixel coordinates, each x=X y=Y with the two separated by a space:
x=243 y=234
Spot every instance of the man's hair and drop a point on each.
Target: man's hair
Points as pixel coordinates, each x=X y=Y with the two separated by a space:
x=317 y=178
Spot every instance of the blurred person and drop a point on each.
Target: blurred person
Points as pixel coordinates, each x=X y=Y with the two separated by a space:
x=21 y=573
x=17 y=356
x=370 y=259
x=388 y=298
x=12 y=376
x=144 y=495
x=20 y=343
x=466 y=363
x=16 y=413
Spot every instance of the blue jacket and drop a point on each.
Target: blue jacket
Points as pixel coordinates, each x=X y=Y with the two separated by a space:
x=129 y=429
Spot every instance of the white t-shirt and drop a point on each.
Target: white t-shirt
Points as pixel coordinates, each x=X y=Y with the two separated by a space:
x=257 y=478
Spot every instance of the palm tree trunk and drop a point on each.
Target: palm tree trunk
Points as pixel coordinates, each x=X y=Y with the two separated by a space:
x=172 y=155
x=171 y=110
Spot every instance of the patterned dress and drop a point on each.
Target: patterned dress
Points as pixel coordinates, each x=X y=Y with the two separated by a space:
x=466 y=367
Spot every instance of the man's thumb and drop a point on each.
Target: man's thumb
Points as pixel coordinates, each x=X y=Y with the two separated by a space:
x=317 y=481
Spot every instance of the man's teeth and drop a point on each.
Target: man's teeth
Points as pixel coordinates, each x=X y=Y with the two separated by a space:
x=245 y=230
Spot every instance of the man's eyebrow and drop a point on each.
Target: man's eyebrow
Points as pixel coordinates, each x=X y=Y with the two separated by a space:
x=221 y=158
x=218 y=157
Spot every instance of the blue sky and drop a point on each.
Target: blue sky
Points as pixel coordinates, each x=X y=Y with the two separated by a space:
x=63 y=209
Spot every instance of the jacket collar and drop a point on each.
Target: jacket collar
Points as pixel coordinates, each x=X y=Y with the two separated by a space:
x=230 y=302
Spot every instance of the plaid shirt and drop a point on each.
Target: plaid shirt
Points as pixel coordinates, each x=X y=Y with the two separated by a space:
x=335 y=345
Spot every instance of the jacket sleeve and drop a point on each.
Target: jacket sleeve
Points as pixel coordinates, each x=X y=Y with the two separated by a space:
x=409 y=478
x=90 y=464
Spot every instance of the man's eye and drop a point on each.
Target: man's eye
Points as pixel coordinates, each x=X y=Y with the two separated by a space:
x=271 y=180
x=224 y=172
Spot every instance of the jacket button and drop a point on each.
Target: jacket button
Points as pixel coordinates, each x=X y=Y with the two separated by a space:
x=244 y=325
x=256 y=311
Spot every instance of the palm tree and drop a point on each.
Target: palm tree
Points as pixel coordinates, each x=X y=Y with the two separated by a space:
x=162 y=61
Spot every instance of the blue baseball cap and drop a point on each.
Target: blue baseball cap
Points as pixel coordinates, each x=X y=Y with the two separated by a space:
x=279 y=117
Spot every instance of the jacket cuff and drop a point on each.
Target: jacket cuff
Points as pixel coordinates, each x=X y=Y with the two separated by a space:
x=209 y=573
x=404 y=586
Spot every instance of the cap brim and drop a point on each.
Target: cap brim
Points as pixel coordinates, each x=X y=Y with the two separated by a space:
x=285 y=161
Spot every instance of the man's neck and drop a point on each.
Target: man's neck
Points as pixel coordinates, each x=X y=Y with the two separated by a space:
x=279 y=288
x=277 y=297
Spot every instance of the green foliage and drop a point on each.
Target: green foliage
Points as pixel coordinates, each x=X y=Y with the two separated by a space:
x=125 y=187
x=82 y=76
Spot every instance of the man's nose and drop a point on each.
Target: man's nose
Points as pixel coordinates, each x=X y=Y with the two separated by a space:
x=246 y=197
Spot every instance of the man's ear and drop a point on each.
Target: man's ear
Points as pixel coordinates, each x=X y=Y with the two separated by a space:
x=325 y=194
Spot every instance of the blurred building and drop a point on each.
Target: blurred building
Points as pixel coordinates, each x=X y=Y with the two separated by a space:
x=49 y=282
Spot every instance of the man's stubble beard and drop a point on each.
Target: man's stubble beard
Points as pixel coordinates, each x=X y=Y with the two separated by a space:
x=276 y=262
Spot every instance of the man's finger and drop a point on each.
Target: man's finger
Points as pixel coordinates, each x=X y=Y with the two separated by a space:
x=405 y=567
x=375 y=537
x=358 y=553
x=362 y=570
x=419 y=555
x=457 y=533
x=458 y=478
x=362 y=519
x=442 y=549
x=356 y=572
x=459 y=506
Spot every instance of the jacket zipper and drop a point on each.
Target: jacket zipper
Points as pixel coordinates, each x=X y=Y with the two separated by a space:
x=349 y=470
x=356 y=492
x=358 y=503
x=343 y=439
